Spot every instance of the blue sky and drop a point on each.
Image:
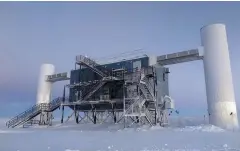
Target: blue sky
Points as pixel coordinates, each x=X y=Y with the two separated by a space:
x=32 y=33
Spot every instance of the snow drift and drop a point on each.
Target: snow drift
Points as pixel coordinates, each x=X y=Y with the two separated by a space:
x=185 y=134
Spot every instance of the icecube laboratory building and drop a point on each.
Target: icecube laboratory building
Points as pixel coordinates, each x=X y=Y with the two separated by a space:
x=135 y=91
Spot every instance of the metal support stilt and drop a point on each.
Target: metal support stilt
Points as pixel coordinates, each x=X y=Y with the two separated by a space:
x=114 y=113
x=124 y=105
x=115 y=118
x=64 y=92
x=137 y=118
x=69 y=117
x=94 y=117
x=76 y=114
x=62 y=114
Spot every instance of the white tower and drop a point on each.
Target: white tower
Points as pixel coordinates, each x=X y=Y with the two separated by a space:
x=44 y=87
x=218 y=77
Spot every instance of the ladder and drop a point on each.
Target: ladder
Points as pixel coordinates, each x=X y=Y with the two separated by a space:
x=33 y=111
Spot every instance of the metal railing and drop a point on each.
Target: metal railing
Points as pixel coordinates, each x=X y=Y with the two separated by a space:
x=133 y=76
x=92 y=90
x=48 y=107
x=57 y=76
x=134 y=106
x=34 y=111
x=90 y=63
x=81 y=58
x=145 y=85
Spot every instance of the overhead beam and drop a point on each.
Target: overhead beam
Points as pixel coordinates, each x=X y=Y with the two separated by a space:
x=57 y=77
x=180 y=57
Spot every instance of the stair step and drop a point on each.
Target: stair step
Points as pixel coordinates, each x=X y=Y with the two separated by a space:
x=90 y=63
x=33 y=112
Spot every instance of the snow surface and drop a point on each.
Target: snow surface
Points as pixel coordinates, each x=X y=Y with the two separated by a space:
x=185 y=134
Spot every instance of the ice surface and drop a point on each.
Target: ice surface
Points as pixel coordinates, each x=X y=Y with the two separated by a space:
x=185 y=134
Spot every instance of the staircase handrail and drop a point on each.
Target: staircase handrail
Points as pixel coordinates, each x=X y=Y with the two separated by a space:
x=31 y=110
x=81 y=58
x=149 y=87
x=89 y=62
x=133 y=104
x=92 y=88
x=54 y=103
x=85 y=94
x=23 y=113
x=48 y=106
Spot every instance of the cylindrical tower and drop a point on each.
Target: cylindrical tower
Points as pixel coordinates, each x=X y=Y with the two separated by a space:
x=218 y=77
x=44 y=87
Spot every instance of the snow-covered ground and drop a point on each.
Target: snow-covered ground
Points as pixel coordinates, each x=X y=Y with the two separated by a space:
x=185 y=134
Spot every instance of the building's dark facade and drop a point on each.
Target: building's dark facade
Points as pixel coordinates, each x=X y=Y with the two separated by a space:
x=110 y=90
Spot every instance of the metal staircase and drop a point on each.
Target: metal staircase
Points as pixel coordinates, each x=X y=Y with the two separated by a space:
x=32 y=112
x=93 y=90
x=89 y=63
x=146 y=89
x=53 y=105
x=135 y=108
x=137 y=111
x=132 y=107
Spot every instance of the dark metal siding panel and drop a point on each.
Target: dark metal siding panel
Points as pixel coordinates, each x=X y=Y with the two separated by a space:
x=124 y=64
x=86 y=74
x=145 y=62
x=72 y=76
x=162 y=83
x=127 y=64
x=72 y=79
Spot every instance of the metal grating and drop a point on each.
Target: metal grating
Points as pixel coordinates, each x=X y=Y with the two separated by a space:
x=179 y=57
x=57 y=77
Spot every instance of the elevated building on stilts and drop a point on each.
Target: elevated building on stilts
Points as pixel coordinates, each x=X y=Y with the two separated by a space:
x=135 y=91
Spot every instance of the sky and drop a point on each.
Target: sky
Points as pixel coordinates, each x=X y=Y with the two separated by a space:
x=33 y=33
